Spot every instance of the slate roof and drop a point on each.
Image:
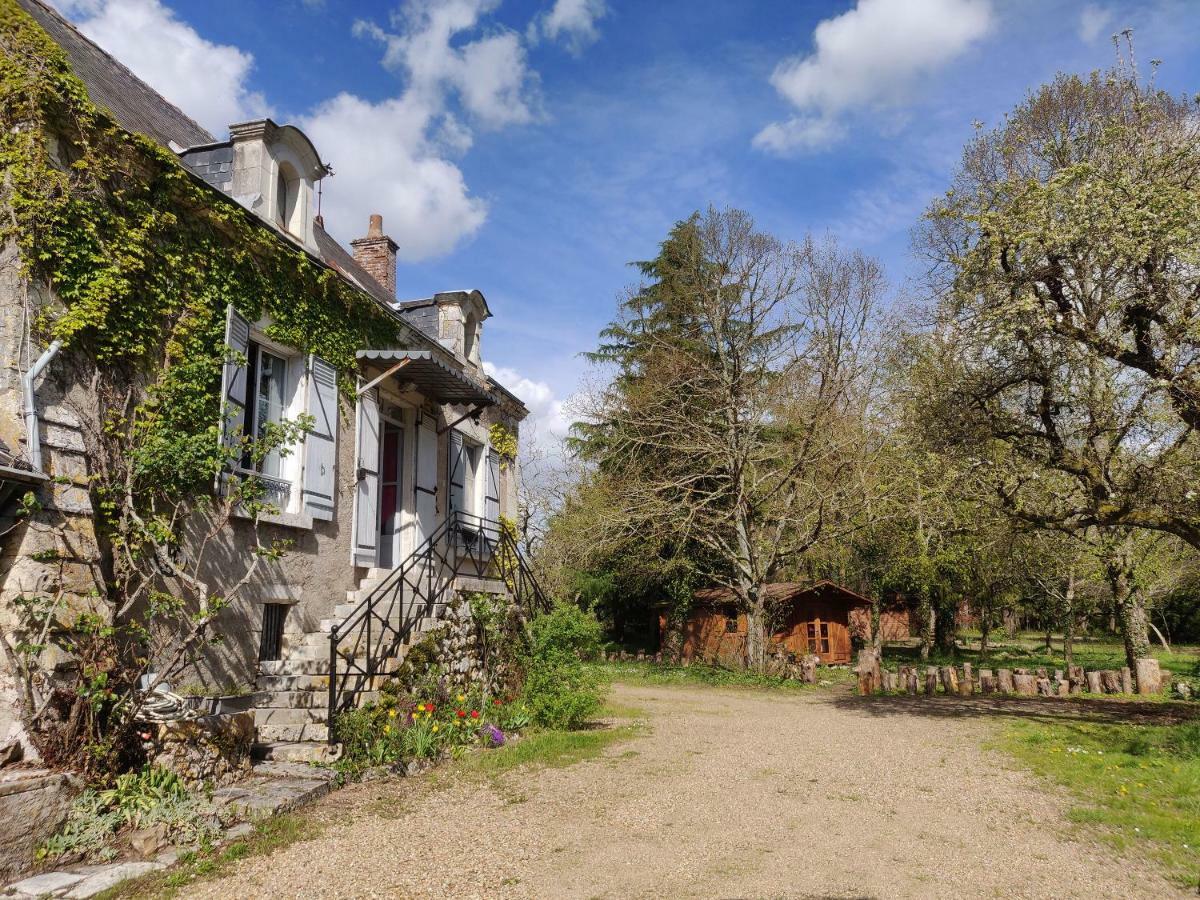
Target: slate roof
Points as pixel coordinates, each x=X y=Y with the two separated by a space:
x=136 y=105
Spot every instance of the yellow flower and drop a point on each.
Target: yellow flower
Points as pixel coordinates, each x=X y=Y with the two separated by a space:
x=391 y=714
x=435 y=728
x=387 y=729
x=462 y=697
x=420 y=707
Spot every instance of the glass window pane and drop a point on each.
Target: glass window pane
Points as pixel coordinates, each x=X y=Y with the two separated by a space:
x=272 y=376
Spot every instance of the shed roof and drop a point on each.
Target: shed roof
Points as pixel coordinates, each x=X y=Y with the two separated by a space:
x=784 y=591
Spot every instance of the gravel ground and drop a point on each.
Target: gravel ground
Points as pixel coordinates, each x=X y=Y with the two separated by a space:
x=730 y=794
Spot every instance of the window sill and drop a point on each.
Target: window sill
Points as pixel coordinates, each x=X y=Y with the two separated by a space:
x=300 y=521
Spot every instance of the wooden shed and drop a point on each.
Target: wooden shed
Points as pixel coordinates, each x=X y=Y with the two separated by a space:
x=812 y=618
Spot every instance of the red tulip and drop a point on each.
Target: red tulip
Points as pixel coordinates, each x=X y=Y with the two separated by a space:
x=474 y=714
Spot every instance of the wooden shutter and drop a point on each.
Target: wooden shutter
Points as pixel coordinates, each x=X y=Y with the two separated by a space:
x=320 y=444
x=233 y=378
x=366 y=494
x=425 y=484
x=492 y=500
x=457 y=476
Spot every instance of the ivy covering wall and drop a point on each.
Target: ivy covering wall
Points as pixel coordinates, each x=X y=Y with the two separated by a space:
x=144 y=258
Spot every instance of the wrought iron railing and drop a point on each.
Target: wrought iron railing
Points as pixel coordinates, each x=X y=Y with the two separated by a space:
x=365 y=642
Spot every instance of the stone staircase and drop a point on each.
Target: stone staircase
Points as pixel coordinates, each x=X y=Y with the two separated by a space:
x=292 y=694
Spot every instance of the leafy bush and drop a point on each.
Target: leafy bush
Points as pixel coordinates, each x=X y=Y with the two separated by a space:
x=559 y=690
x=135 y=800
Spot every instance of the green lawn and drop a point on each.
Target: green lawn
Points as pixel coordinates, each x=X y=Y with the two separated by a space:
x=1028 y=651
x=1136 y=786
x=711 y=676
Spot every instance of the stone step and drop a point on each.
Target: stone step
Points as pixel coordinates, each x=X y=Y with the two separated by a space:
x=292 y=682
x=292 y=733
x=314 y=715
x=290 y=699
x=480 y=585
x=295 y=752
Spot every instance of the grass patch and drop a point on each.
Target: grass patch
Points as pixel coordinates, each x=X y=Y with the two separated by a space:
x=1029 y=651
x=269 y=836
x=1138 y=786
x=556 y=749
x=711 y=676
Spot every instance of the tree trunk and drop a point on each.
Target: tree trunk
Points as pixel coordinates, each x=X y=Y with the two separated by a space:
x=756 y=634
x=1069 y=621
x=1131 y=611
x=946 y=623
x=927 y=624
x=985 y=629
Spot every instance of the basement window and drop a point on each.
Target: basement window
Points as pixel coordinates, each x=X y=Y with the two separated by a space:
x=270 y=645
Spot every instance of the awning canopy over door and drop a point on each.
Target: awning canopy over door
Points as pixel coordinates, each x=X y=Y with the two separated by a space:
x=432 y=377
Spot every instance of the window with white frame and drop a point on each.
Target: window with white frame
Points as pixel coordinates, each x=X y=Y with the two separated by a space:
x=264 y=385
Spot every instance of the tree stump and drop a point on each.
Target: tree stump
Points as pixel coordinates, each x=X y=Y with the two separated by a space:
x=966 y=687
x=1063 y=688
x=658 y=657
x=1126 y=680
x=1149 y=675
x=967 y=672
x=931 y=680
x=808 y=668
x=1004 y=681
x=987 y=681
x=868 y=672
x=1044 y=688
x=1095 y=684
x=1075 y=678
x=1110 y=681
x=1024 y=684
x=912 y=682
x=1041 y=673
x=949 y=679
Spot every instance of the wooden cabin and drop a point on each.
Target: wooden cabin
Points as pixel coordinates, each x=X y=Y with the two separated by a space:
x=810 y=618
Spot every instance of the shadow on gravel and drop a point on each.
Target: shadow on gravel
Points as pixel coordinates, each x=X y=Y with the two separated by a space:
x=1048 y=709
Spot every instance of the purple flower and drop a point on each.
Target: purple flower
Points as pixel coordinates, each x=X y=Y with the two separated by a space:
x=495 y=735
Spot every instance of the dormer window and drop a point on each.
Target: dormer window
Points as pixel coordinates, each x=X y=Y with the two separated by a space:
x=286 y=194
x=470 y=338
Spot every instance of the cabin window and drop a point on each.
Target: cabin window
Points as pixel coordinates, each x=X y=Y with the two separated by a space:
x=818 y=637
x=270 y=645
x=731 y=621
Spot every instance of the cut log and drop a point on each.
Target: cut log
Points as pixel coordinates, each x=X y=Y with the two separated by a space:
x=1004 y=681
x=967 y=672
x=1110 y=680
x=987 y=681
x=1045 y=688
x=1025 y=684
x=912 y=682
x=966 y=687
x=931 y=680
x=808 y=669
x=949 y=679
x=1095 y=684
x=1075 y=679
x=1149 y=675
x=1063 y=688
x=1126 y=680
x=1041 y=673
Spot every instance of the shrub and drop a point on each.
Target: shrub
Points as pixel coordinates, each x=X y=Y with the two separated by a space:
x=560 y=691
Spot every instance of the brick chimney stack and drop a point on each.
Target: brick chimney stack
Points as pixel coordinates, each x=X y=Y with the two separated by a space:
x=377 y=254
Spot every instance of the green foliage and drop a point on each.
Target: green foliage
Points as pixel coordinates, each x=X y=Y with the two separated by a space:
x=1139 y=785
x=559 y=690
x=708 y=676
x=503 y=441
x=134 y=800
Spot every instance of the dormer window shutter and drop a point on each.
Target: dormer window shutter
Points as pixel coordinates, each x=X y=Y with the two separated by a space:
x=320 y=444
x=233 y=378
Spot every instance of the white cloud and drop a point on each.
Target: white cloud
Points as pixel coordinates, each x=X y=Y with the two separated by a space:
x=571 y=21
x=547 y=423
x=1092 y=21
x=869 y=58
x=207 y=81
x=394 y=156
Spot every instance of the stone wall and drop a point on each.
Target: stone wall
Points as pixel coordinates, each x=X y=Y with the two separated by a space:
x=33 y=805
x=211 y=750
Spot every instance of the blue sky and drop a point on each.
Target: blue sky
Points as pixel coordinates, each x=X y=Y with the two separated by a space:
x=532 y=148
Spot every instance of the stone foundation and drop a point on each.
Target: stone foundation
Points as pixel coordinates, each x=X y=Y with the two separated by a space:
x=33 y=805
x=212 y=750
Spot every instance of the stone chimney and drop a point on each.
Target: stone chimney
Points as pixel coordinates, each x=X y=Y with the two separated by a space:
x=377 y=254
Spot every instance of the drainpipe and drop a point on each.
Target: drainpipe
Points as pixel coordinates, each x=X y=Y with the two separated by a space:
x=31 y=417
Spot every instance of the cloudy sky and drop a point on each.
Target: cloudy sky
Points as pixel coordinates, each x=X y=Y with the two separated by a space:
x=532 y=148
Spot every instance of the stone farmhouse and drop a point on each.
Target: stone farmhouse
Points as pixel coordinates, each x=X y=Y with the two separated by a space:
x=391 y=501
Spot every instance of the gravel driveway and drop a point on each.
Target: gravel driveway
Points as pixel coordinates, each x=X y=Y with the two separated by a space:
x=731 y=794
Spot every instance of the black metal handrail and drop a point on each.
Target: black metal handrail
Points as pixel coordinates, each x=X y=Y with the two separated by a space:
x=361 y=645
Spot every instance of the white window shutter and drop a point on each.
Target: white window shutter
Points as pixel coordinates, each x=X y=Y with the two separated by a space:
x=320 y=444
x=492 y=499
x=425 y=484
x=366 y=495
x=233 y=378
x=456 y=475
